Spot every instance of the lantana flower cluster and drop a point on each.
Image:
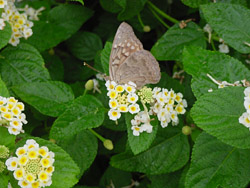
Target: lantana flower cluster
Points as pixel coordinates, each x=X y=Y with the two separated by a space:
x=165 y=104
x=20 y=24
x=245 y=117
x=33 y=166
x=123 y=99
x=11 y=115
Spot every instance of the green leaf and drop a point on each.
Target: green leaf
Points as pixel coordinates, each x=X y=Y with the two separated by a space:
x=167 y=180
x=63 y=21
x=5 y=35
x=85 y=112
x=197 y=3
x=7 y=139
x=82 y=147
x=66 y=171
x=80 y=1
x=130 y=8
x=105 y=57
x=218 y=114
x=4 y=92
x=215 y=164
x=231 y=22
x=168 y=153
x=199 y=63
x=171 y=44
x=50 y=98
x=54 y=66
x=117 y=177
x=110 y=6
x=4 y=179
x=85 y=45
x=142 y=142
x=22 y=64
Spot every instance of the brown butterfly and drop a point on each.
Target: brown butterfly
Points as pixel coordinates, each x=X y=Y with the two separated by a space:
x=130 y=62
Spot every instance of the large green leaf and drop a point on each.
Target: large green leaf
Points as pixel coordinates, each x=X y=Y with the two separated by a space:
x=169 y=152
x=4 y=179
x=85 y=112
x=130 y=8
x=231 y=22
x=63 y=21
x=118 y=178
x=142 y=142
x=50 y=98
x=199 y=63
x=22 y=64
x=197 y=3
x=3 y=89
x=66 y=171
x=105 y=57
x=82 y=147
x=7 y=139
x=85 y=45
x=5 y=35
x=215 y=164
x=171 y=44
x=218 y=114
x=110 y=6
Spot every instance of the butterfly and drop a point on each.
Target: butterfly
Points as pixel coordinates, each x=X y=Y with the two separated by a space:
x=130 y=62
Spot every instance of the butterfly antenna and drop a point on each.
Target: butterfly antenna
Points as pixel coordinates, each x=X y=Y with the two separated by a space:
x=89 y=66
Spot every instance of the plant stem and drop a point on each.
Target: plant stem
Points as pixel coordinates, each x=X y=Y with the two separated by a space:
x=140 y=20
x=212 y=44
x=171 y=19
x=85 y=92
x=97 y=135
x=158 y=18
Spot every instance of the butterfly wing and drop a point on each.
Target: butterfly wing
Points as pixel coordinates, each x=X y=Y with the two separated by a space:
x=140 y=67
x=125 y=43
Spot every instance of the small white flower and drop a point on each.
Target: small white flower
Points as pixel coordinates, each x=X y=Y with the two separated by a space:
x=134 y=108
x=14 y=131
x=162 y=114
x=129 y=88
x=119 y=88
x=31 y=144
x=173 y=116
x=161 y=98
x=156 y=90
x=247 y=93
x=3 y=3
x=136 y=130
x=157 y=107
x=132 y=98
x=99 y=76
x=114 y=114
x=147 y=127
x=110 y=85
x=247 y=105
x=12 y=163
x=123 y=108
x=180 y=109
x=172 y=94
x=184 y=103
x=165 y=123
x=245 y=119
x=178 y=97
x=223 y=48
x=112 y=94
x=113 y=103
x=132 y=84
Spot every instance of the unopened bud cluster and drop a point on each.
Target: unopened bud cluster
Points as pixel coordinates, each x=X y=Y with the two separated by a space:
x=11 y=115
x=33 y=166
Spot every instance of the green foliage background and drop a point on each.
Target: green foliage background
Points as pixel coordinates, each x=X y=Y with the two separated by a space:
x=46 y=72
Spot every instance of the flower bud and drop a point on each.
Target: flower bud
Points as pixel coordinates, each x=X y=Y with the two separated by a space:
x=4 y=152
x=51 y=51
x=108 y=144
x=186 y=130
x=89 y=85
x=146 y=28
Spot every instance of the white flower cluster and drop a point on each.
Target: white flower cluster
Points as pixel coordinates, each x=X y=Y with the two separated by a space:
x=11 y=115
x=21 y=26
x=167 y=106
x=33 y=166
x=122 y=99
x=245 y=117
x=141 y=123
x=223 y=48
